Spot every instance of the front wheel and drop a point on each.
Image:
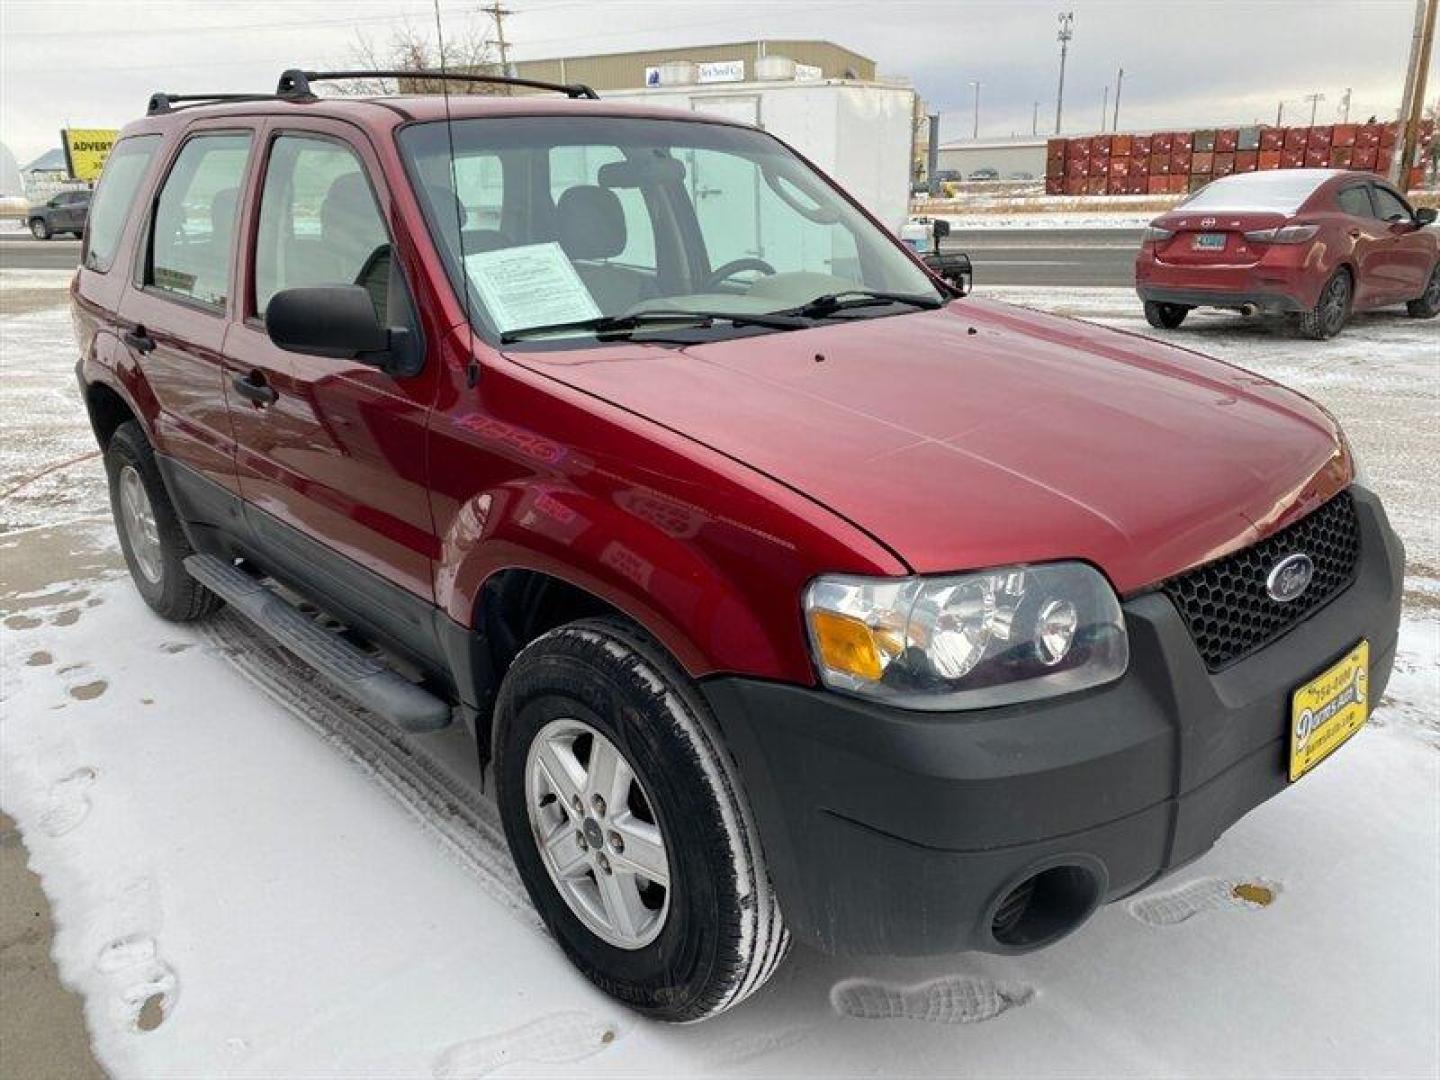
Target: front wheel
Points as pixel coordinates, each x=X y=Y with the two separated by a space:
x=627 y=822
x=1165 y=316
x=40 y=228
x=1331 y=310
x=151 y=538
x=1427 y=305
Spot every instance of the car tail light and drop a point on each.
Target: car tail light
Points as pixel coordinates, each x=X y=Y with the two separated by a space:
x=1155 y=236
x=1284 y=234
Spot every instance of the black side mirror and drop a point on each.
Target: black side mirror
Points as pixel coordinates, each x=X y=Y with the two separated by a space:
x=942 y=230
x=337 y=321
x=1425 y=215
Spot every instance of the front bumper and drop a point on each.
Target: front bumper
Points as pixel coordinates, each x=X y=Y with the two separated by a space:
x=902 y=833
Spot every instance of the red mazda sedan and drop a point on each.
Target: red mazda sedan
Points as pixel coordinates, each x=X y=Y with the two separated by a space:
x=1312 y=244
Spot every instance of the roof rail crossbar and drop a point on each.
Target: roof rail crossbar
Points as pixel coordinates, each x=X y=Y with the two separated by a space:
x=163 y=102
x=296 y=83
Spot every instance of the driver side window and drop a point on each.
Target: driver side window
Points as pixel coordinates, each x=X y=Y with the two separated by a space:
x=319 y=223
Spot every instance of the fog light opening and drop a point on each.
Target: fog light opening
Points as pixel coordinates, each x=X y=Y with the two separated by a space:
x=1044 y=906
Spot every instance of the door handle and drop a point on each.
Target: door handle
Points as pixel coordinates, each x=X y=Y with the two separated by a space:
x=254 y=387
x=139 y=339
x=1354 y=234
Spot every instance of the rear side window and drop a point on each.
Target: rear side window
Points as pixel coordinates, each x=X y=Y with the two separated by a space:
x=193 y=231
x=319 y=224
x=126 y=167
x=1355 y=201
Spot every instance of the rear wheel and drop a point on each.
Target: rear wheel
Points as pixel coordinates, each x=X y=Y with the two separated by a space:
x=40 y=228
x=1165 y=316
x=1427 y=305
x=627 y=822
x=1328 y=316
x=151 y=538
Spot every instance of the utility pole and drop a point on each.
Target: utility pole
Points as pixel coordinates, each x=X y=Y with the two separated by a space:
x=1314 y=100
x=1119 y=82
x=1345 y=107
x=1421 y=64
x=1280 y=115
x=1105 y=107
x=498 y=14
x=975 y=85
x=1067 y=20
x=1035 y=120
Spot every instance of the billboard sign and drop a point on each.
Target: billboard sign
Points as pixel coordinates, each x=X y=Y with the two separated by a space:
x=86 y=150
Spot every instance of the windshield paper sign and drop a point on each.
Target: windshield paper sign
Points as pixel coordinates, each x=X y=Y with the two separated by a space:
x=532 y=285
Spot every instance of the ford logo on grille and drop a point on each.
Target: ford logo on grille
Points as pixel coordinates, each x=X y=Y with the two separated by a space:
x=1290 y=577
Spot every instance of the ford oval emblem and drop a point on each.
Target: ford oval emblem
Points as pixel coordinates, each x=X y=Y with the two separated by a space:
x=1290 y=577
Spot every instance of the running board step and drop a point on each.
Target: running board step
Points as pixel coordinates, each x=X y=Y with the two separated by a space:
x=362 y=678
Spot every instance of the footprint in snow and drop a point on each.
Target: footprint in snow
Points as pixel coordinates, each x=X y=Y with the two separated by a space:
x=147 y=984
x=66 y=617
x=955 y=999
x=68 y=804
x=1205 y=894
x=39 y=658
x=22 y=622
x=557 y=1039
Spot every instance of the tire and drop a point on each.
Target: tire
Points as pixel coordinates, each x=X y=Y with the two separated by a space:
x=155 y=553
x=716 y=934
x=1165 y=316
x=1427 y=305
x=1331 y=310
x=40 y=228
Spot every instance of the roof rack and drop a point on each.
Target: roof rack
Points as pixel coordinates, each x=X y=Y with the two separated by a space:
x=295 y=83
x=164 y=102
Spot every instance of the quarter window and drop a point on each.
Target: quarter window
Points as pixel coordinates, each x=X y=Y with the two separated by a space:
x=193 y=232
x=126 y=167
x=319 y=223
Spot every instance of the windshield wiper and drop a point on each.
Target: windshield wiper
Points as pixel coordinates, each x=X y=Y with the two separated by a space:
x=621 y=325
x=830 y=303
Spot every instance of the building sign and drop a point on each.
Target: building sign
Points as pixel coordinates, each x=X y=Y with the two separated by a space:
x=86 y=150
x=721 y=71
x=808 y=73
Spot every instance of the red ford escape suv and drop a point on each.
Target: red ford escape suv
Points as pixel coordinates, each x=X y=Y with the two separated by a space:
x=1314 y=244
x=788 y=594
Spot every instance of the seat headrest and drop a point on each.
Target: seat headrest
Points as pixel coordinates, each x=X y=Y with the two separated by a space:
x=447 y=205
x=347 y=203
x=222 y=211
x=590 y=223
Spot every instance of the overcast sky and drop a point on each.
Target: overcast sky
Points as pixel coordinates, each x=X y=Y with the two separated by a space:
x=1187 y=62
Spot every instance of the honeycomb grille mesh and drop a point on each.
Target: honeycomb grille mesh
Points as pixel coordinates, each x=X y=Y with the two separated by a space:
x=1225 y=604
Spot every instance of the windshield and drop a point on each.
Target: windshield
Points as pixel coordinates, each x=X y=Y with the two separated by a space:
x=574 y=223
x=1281 y=191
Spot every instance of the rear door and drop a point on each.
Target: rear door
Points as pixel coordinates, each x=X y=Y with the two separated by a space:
x=331 y=453
x=173 y=314
x=1368 y=237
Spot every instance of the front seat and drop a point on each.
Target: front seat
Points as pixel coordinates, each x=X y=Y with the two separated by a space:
x=591 y=227
x=353 y=238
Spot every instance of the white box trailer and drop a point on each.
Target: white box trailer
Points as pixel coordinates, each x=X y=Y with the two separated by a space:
x=858 y=132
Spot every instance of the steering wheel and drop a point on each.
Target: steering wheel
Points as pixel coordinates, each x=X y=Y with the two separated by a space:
x=733 y=267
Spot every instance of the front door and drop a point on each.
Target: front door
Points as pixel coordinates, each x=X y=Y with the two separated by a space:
x=330 y=452
x=1406 y=260
x=173 y=315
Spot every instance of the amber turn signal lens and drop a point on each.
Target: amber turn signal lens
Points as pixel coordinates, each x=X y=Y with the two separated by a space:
x=846 y=644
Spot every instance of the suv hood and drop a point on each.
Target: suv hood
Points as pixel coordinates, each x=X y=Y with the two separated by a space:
x=983 y=434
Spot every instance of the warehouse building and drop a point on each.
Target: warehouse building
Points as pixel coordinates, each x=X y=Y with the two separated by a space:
x=1008 y=157
x=735 y=62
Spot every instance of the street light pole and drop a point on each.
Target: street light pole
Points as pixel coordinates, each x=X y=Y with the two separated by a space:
x=1104 y=106
x=1035 y=119
x=1067 y=20
x=1119 y=82
x=975 y=85
x=1314 y=100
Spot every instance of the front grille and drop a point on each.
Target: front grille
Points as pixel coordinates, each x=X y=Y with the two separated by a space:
x=1225 y=605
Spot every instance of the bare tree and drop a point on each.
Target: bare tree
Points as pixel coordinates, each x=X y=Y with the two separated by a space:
x=469 y=48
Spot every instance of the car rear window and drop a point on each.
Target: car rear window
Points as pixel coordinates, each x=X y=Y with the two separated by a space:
x=126 y=167
x=1280 y=191
x=193 y=230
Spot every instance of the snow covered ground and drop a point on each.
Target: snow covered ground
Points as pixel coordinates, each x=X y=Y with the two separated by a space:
x=249 y=878
x=1130 y=221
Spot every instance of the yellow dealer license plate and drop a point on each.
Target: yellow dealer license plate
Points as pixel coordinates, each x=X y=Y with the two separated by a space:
x=1328 y=710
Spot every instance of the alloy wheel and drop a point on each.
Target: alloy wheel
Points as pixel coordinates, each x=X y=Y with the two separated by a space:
x=1336 y=303
x=597 y=833
x=138 y=519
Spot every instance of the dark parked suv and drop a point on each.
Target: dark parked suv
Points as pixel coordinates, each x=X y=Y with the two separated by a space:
x=64 y=212
x=786 y=593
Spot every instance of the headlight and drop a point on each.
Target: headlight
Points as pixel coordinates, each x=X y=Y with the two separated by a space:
x=968 y=641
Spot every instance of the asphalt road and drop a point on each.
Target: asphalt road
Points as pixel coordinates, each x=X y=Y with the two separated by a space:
x=1001 y=256
x=21 y=251
x=1048 y=256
